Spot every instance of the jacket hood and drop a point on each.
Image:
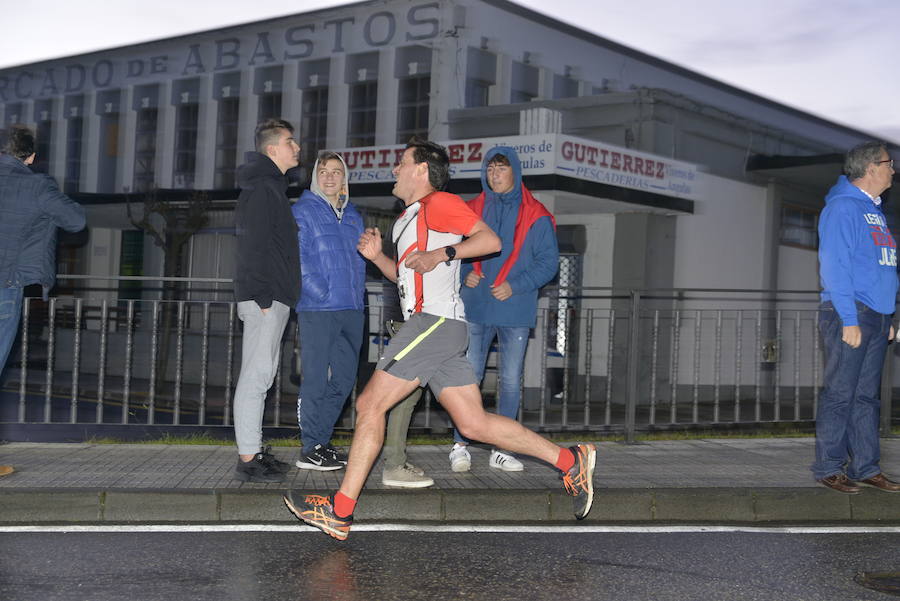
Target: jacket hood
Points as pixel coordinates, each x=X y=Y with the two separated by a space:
x=514 y=196
x=314 y=184
x=257 y=167
x=843 y=188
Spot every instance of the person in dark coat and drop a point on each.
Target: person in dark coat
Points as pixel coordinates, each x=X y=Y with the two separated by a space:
x=266 y=286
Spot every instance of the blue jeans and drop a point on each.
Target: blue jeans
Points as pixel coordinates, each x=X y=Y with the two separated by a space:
x=513 y=342
x=329 y=357
x=10 y=312
x=849 y=407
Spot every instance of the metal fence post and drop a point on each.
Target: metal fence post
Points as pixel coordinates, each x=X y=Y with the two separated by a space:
x=633 y=355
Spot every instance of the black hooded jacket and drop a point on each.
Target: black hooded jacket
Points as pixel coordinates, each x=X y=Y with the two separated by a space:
x=267 y=265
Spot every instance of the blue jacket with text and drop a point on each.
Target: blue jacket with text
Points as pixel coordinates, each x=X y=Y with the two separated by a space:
x=857 y=253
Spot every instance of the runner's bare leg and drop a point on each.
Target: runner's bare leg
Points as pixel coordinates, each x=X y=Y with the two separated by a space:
x=464 y=405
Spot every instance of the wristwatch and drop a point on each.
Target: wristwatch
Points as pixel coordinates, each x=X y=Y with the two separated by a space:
x=451 y=254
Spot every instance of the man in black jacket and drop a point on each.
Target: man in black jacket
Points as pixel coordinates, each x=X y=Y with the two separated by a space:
x=266 y=286
x=31 y=208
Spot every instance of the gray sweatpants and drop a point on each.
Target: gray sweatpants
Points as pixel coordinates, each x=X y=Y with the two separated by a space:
x=398 y=428
x=261 y=352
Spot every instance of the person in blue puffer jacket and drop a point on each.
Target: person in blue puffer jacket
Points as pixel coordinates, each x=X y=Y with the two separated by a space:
x=330 y=310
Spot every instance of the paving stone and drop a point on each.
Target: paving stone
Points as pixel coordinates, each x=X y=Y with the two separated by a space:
x=140 y=506
x=874 y=505
x=391 y=505
x=49 y=506
x=801 y=505
x=698 y=504
x=496 y=505
x=610 y=505
x=253 y=506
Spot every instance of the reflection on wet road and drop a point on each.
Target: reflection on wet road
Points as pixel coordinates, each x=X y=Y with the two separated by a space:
x=385 y=566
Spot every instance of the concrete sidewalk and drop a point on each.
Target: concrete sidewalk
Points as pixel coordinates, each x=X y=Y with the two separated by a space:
x=712 y=480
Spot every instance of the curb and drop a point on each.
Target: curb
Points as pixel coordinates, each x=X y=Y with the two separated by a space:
x=622 y=505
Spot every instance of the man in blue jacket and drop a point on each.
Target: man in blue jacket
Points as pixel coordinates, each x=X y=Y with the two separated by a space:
x=858 y=272
x=31 y=208
x=330 y=309
x=501 y=290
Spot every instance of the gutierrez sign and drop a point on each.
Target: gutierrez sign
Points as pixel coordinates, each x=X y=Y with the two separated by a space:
x=543 y=155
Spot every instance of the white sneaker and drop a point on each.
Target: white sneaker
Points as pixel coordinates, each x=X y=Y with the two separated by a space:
x=460 y=460
x=505 y=461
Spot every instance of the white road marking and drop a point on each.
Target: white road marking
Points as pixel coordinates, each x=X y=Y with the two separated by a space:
x=484 y=528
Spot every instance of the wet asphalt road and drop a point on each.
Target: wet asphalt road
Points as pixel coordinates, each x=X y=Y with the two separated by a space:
x=386 y=566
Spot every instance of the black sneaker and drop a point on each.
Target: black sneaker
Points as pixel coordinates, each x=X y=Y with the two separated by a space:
x=339 y=456
x=258 y=469
x=268 y=457
x=319 y=459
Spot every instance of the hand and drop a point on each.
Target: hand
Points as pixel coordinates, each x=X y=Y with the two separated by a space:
x=852 y=335
x=891 y=335
x=502 y=292
x=425 y=261
x=370 y=245
x=473 y=279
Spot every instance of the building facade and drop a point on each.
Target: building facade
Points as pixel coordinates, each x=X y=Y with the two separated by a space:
x=660 y=178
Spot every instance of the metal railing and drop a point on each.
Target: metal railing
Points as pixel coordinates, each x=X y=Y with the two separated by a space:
x=599 y=360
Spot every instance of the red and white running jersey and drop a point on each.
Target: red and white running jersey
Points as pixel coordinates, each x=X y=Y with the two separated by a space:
x=440 y=219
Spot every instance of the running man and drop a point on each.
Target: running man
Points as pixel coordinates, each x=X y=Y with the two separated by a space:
x=434 y=232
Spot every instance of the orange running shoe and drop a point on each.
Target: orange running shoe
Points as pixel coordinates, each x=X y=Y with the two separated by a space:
x=318 y=511
x=579 y=480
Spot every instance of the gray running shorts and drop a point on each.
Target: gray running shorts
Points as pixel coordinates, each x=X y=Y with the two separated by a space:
x=432 y=349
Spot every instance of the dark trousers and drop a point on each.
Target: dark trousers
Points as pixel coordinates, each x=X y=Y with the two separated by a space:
x=329 y=357
x=850 y=405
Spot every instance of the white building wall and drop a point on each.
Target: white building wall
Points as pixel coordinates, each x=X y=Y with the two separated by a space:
x=722 y=245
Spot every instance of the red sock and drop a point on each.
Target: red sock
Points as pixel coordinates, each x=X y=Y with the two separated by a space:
x=565 y=461
x=344 y=505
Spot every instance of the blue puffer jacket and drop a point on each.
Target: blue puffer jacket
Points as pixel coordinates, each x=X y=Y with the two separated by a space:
x=332 y=272
x=31 y=208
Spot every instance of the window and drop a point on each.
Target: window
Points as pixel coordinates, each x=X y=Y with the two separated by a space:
x=477 y=92
x=481 y=74
x=187 y=119
x=226 y=143
x=564 y=87
x=799 y=226
x=131 y=263
x=145 y=149
x=73 y=154
x=314 y=124
x=44 y=134
x=108 y=108
x=363 y=104
x=269 y=106
x=524 y=84
x=412 y=108
x=14 y=113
